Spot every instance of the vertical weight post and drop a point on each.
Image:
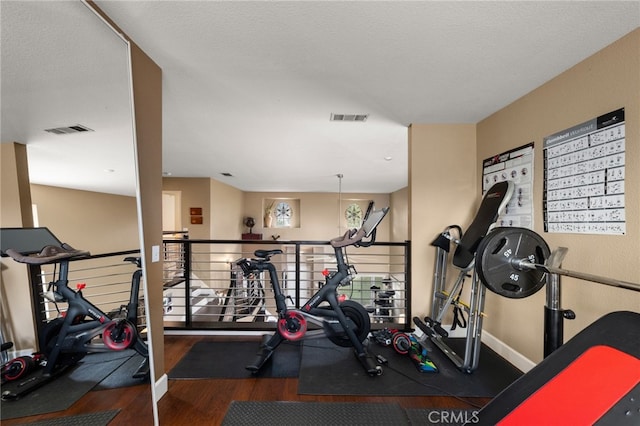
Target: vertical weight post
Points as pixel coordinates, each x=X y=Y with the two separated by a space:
x=553 y=324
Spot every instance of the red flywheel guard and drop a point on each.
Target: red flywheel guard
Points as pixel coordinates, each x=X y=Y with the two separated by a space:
x=126 y=339
x=298 y=320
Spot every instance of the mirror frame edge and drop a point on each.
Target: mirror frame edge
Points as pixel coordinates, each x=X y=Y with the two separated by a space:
x=150 y=236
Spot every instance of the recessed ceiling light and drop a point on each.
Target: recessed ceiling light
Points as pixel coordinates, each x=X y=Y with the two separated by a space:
x=166 y=173
x=227 y=174
x=109 y=170
x=388 y=158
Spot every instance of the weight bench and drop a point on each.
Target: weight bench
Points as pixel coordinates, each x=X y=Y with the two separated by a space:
x=594 y=378
x=493 y=204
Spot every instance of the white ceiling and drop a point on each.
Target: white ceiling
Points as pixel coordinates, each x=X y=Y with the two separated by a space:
x=62 y=66
x=248 y=87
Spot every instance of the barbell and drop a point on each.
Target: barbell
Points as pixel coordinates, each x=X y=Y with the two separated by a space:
x=514 y=262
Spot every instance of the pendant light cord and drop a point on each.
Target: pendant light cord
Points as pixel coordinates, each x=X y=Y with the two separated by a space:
x=340 y=176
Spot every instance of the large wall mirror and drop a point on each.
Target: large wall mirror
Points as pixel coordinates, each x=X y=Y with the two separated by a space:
x=66 y=95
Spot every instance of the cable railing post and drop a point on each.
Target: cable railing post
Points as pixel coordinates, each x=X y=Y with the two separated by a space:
x=297 y=275
x=407 y=282
x=187 y=283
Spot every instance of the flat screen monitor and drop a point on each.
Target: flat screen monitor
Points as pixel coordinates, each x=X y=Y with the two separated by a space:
x=375 y=217
x=26 y=240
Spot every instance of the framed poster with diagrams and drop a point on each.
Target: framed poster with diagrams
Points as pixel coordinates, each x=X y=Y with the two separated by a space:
x=584 y=177
x=515 y=165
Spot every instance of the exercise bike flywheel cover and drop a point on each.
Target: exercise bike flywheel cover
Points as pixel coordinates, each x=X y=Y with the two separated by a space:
x=17 y=368
x=293 y=326
x=119 y=336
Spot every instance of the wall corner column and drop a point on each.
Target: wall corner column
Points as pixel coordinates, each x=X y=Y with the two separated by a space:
x=147 y=104
x=16 y=212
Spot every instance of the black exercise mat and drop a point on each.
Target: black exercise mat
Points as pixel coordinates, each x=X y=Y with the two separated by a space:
x=65 y=390
x=206 y=360
x=123 y=375
x=101 y=418
x=327 y=369
x=294 y=413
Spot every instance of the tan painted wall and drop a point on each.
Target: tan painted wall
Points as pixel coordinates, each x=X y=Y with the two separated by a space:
x=443 y=191
x=399 y=215
x=227 y=206
x=195 y=192
x=222 y=207
x=86 y=220
x=16 y=199
x=319 y=214
x=603 y=83
x=15 y=212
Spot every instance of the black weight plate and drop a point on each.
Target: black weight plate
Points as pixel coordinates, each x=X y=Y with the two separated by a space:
x=495 y=264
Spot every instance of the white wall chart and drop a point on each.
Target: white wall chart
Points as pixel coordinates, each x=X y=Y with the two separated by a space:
x=584 y=177
x=517 y=166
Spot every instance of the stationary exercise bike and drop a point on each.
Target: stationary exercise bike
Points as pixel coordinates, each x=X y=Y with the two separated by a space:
x=346 y=323
x=83 y=328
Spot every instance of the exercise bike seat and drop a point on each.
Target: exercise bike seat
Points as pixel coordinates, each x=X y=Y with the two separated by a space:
x=136 y=260
x=266 y=254
x=493 y=203
x=49 y=254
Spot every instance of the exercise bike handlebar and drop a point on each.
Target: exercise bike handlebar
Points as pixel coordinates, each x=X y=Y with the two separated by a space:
x=49 y=254
x=355 y=237
x=351 y=237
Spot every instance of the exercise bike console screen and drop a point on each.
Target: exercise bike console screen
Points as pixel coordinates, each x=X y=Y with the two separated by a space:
x=26 y=240
x=374 y=219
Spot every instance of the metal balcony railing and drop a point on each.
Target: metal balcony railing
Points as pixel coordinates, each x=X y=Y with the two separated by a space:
x=203 y=289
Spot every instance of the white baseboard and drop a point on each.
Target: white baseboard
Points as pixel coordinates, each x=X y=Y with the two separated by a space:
x=11 y=354
x=517 y=359
x=457 y=332
x=216 y=333
x=161 y=387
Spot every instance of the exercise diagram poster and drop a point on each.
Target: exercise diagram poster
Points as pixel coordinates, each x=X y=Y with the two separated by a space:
x=584 y=174
x=515 y=165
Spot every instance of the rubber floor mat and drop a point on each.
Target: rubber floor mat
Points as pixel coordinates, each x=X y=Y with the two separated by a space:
x=101 y=418
x=327 y=369
x=295 y=413
x=227 y=360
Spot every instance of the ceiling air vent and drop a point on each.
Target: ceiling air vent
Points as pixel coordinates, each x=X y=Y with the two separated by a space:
x=349 y=117
x=77 y=128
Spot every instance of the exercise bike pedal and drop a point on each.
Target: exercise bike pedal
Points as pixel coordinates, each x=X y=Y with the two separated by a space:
x=369 y=363
x=8 y=396
x=257 y=364
x=376 y=371
x=261 y=357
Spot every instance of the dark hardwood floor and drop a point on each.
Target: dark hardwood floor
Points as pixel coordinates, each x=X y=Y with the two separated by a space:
x=205 y=402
